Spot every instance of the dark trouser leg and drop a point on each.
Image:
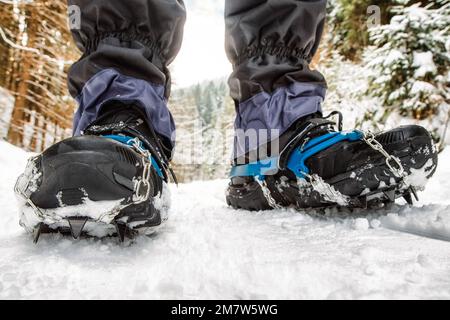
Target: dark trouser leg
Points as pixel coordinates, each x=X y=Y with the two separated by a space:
x=127 y=46
x=270 y=44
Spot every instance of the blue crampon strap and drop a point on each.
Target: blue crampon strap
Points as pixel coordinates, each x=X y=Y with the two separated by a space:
x=297 y=160
x=129 y=142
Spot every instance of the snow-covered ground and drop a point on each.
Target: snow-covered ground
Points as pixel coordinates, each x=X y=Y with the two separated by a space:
x=209 y=251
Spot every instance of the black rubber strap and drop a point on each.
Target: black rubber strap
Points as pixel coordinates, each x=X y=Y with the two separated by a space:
x=309 y=126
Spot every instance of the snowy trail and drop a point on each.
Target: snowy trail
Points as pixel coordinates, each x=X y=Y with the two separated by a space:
x=209 y=251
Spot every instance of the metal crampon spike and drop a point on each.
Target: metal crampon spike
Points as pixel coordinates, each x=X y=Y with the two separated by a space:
x=390 y=195
x=414 y=192
x=121 y=229
x=76 y=226
x=408 y=198
x=37 y=232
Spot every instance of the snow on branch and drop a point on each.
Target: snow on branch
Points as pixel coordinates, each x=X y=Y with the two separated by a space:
x=32 y=50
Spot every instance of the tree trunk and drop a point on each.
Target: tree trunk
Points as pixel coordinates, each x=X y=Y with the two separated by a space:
x=25 y=67
x=15 y=132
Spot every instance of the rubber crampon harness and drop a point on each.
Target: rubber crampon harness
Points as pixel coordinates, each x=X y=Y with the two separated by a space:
x=151 y=158
x=295 y=155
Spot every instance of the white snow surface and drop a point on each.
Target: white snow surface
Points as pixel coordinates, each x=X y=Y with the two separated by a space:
x=208 y=251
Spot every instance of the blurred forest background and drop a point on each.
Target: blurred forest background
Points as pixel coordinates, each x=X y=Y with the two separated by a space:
x=380 y=76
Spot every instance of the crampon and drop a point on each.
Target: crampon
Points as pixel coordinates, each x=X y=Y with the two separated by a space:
x=321 y=168
x=110 y=182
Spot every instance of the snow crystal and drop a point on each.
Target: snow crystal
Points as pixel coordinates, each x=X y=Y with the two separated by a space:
x=162 y=202
x=422 y=87
x=375 y=224
x=416 y=13
x=432 y=224
x=393 y=57
x=361 y=224
x=424 y=63
x=328 y=192
x=425 y=261
x=98 y=211
x=418 y=177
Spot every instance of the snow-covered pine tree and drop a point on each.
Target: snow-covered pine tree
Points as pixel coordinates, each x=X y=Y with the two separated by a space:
x=347 y=25
x=410 y=59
